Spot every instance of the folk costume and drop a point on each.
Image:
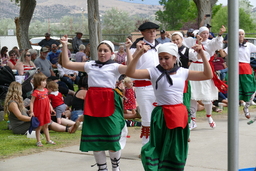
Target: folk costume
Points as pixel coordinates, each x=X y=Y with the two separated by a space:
x=247 y=82
x=103 y=113
x=167 y=148
x=205 y=90
x=143 y=88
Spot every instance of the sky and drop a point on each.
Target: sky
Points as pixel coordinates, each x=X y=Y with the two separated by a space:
x=156 y=2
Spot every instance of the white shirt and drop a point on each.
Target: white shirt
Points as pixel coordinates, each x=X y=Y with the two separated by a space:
x=244 y=52
x=165 y=93
x=62 y=71
x=106 y=76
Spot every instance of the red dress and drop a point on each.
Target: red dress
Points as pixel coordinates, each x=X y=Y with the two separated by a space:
x=42 y=106
x=130 y=103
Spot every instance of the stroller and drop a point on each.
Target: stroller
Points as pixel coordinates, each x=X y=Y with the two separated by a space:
x=6 y=77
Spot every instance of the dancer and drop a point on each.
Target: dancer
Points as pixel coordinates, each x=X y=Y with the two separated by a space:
x=247 y=82
x=103 y=117
x=143 y=88
x=168 y=145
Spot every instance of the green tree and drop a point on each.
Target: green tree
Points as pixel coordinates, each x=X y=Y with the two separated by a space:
x=173 y=14
x=6 y=24
x=221 y=18
x=117 y=21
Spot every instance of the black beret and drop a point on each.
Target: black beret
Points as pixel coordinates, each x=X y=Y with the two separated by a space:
x=148 y=25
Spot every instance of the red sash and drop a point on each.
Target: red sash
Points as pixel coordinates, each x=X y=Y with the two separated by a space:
x=99 y=102
x=175 y=116
x=245 y=68
x=141 y=83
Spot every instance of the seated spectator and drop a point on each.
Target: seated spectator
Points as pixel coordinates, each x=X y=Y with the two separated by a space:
x=120 y=56
x=33 y=53
x=24 y=63
x=80 y=55
x=53 y=55
x=13 y=59
x=4 y=56
x=222 y=101
x=44 y=64
x=78 y=100
x=190 y=33
x=220 y=66
x=18 y=114
x=16 y=49
x=56 y=100
x=66 y=75
x=87 y=51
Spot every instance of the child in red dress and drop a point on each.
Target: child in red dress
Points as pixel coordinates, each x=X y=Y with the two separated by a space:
x=41 y=108
x=129 y=101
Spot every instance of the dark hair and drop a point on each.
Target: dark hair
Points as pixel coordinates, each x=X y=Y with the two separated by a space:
x=3 y=50
x=12 y=52
x=83 y=81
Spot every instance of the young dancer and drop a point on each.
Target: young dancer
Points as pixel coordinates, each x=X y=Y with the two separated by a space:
x=247 y=82
x=41 y=108
x=168 y=145
x=103 y=113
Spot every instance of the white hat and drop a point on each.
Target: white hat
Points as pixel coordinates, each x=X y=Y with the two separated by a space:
x=201 y=29
x=178 y=33
x=195 y=32
x=170 y=48
x=111 y=45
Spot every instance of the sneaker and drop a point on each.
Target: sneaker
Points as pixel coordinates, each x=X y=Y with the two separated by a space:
x=192 y=125
x=246 y=112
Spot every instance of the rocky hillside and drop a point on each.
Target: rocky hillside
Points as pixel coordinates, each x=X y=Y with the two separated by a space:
x=54 y=10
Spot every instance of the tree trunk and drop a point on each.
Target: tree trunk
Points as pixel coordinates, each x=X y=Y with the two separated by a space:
x=22 y=22
x=204 y=7
x=94 y=27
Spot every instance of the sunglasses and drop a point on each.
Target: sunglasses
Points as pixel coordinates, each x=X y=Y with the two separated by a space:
x=28 y=55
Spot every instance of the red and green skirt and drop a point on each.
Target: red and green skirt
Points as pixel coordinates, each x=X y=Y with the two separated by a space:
x=167 y=148
x=103 y=133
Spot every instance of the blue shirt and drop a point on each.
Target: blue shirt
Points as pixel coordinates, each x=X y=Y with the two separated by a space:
x=53 y=56
x=162 y=41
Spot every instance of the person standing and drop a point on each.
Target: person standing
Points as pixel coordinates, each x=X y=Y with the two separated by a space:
x=103 y=118
x=247 y=82
x=77 y=41
x=47 y=42
x=167 y=148
x=163 y=39
x=143 y=88
x=41 y=108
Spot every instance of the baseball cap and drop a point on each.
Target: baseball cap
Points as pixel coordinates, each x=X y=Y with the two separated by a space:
x=44 y=49
x=34 y=123
x=162 y=31
x=47 y=34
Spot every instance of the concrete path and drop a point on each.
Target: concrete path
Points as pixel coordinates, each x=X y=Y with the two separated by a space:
x=207 y=152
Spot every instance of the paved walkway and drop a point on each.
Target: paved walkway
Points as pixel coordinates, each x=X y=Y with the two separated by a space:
x=207 y=152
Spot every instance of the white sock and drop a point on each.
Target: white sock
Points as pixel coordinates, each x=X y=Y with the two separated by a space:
x=115 y=159
x=100 y=158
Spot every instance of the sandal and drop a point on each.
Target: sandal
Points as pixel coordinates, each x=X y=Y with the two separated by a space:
x=50 y=142
x=39 y=144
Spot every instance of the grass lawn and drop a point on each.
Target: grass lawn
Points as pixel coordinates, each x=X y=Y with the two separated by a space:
x=12 y=145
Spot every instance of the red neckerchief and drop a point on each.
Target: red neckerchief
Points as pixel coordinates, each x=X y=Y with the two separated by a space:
x=222 y=87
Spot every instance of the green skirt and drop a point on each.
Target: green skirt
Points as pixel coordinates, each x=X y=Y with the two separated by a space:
x=103 y=133
x=186 y=100
x=246 y=86
x=167 y=149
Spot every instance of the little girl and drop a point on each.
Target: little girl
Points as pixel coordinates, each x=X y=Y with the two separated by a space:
x=129 y=101
x=56 y=100
x=41 y=108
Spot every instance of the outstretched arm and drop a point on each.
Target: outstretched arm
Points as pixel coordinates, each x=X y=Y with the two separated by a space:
x=201 y=75
x=77 y=66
